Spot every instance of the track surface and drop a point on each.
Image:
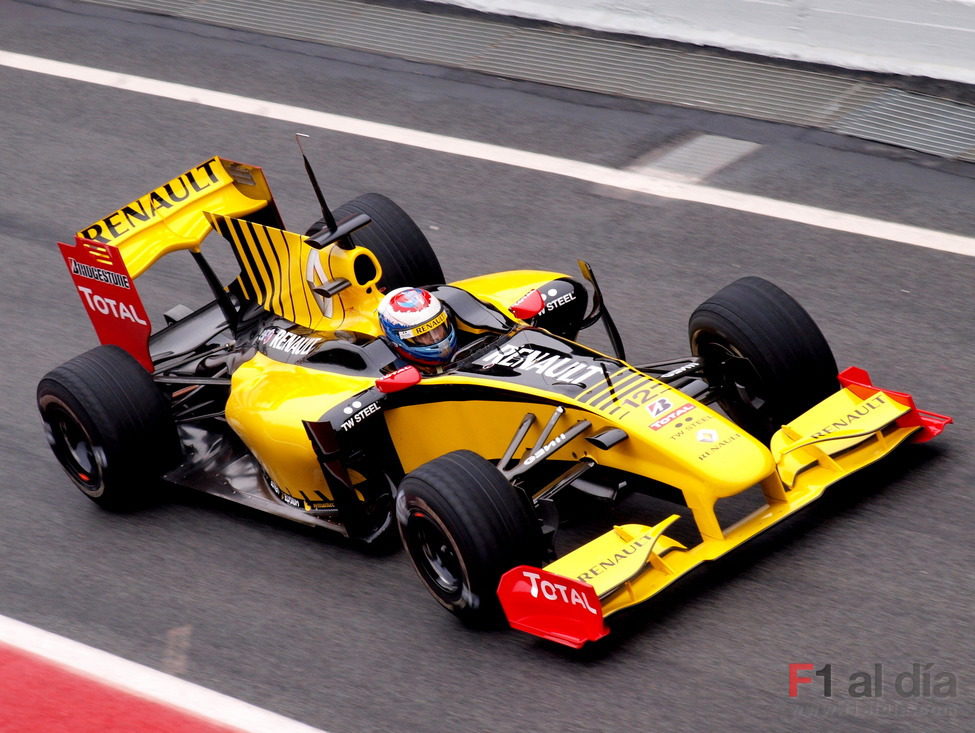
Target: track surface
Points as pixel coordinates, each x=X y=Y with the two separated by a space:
x=879 y=572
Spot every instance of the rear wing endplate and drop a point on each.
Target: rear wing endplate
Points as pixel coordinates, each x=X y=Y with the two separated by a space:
x=109 y=296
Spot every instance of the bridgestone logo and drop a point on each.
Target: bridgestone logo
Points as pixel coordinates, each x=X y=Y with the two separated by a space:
x=96 y=273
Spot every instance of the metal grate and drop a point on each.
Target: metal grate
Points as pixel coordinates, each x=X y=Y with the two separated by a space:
x=695 y=159
x=684 y=77
x=923 y=123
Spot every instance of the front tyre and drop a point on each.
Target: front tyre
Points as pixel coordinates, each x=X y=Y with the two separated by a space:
x=762 y=354
x=464 y=525
x=109 y=425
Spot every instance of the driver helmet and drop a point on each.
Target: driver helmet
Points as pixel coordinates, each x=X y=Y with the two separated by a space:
x=418 y=325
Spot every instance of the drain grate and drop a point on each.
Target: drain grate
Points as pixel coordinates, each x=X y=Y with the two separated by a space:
x=696 y=159
x=931 y=125
x=684 y=77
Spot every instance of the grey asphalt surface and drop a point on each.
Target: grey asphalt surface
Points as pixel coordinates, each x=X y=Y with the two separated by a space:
x=880 y=571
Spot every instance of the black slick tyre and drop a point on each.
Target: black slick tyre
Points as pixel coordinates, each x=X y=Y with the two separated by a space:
x=403 y=251
x=109 y=425
x=763 y=353
x=464 y=525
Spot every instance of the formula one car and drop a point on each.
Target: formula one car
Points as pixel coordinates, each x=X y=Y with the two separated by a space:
x=283 y=394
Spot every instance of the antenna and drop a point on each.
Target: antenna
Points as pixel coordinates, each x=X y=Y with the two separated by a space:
x=326 y=212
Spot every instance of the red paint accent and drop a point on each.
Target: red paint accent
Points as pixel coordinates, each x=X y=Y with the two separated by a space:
x=400 y=379
x=39 y=696
x=560 y=609
x=529 y=305
x=116 y=310
x=932 y=424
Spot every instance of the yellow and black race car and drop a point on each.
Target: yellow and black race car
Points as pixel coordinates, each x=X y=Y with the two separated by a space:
x=283 y=394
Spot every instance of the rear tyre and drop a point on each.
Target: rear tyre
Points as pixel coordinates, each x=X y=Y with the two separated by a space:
x=109 y=425
x=463 y=526
x=762 y=353
x=403 y=251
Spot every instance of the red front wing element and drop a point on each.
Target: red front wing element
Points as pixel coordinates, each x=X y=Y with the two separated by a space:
x=857 y=380
x=109 y=296
x=554 y=607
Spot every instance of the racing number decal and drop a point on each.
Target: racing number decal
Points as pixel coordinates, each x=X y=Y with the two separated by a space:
x=642 y=396
x=662 y=409
x=627 y=390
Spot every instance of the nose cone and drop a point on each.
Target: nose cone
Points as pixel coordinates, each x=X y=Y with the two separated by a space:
x=727 y=459
x=688 y=445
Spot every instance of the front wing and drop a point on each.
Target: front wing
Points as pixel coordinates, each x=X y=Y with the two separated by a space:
x=568 y=600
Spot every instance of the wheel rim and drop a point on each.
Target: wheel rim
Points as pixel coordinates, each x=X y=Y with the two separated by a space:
x=738 y=384
x=434 y=554
x=73 y=448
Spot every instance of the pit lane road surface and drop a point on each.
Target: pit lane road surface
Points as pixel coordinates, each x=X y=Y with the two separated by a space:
x=264 y=611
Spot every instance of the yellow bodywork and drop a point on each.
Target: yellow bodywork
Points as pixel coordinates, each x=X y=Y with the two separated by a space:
x=671 y=457
x=504 y=289
x=280 y=271
x=169 y=218
x=268 y=401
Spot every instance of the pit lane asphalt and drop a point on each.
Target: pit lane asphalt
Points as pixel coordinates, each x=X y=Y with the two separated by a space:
x=878 y=572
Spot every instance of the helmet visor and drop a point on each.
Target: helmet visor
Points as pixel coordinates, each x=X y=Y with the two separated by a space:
x=429 y=338
x=433 y=331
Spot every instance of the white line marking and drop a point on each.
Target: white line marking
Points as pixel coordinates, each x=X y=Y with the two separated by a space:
x=589 y=172
x=144 y=681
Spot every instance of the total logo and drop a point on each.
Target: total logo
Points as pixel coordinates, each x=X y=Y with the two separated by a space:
x=671 y=416
x=107 y=306
x=553 y=591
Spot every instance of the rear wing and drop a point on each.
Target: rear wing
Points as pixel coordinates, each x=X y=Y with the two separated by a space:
x=109 y=254
x=170 y=218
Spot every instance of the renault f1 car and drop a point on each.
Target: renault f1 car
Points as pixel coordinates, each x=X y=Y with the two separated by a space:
x=282 y=394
